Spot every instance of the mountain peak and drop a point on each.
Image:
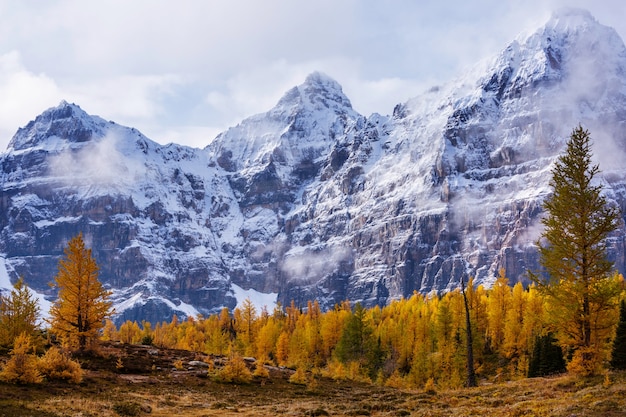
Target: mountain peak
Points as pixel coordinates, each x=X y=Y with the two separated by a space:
x=317 y=92
x=572 y=46
x=573 y=25
x=568 y=18
x=67 y=121
x=64 y=110
x=321 y=80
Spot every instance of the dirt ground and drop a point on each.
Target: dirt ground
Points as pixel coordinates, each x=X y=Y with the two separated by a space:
x=126 y=380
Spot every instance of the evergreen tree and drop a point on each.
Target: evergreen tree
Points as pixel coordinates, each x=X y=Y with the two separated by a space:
x=547 y=357
x=357 y=342
x=618 y=355
x=82 y=306
x=19 y=312
x=579 y=287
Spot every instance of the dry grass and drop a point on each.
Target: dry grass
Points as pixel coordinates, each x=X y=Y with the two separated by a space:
x=107 y=392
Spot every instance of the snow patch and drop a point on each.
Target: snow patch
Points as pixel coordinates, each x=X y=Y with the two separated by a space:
x=140 y=299
x=259 y=300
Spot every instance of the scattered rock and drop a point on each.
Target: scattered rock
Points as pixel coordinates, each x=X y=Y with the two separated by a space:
x=198 y=364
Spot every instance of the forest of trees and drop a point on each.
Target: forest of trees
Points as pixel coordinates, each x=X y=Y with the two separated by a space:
x=408 y=343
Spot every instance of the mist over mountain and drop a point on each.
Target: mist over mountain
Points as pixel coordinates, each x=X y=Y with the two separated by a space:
x=312 y=200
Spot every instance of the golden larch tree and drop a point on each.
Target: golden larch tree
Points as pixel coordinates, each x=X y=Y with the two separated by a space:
x=19 y=313
x=82 y=305
x=498 y=305
x=578 y=280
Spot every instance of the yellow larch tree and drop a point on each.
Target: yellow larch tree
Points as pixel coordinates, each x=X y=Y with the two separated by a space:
x=217 y=336
x=19 y=313
x=109 y=332
x=22 y=365
x=331 y=326
x=513 y=342
x=82 y=305
x=191 y=336
x=312 y=332
x=267 y=339
x=129 y=332
x=298 y=344
x=422 y=367
x=514 y=345
x=477 y=299
x=578 y=278
x=282 y=348
x=497 y=306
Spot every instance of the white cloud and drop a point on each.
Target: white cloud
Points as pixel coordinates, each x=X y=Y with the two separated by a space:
x=194 y=66
x=139 y=101
x=21 y=93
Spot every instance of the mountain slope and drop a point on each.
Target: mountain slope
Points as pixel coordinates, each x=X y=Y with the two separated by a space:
x=312 y=200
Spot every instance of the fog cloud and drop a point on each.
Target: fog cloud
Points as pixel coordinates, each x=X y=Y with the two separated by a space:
x=312 y=266
x=97 y=163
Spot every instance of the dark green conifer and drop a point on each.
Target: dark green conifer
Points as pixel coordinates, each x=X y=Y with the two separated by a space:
x=357 y=342
x=547 y=357
x=618 y=354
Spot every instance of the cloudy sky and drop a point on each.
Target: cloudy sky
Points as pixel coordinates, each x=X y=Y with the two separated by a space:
x=184 y=71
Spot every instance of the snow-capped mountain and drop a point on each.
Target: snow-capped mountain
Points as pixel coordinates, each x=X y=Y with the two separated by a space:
x=312 y=200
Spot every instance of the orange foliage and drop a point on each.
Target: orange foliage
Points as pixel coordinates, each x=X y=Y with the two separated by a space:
x=78 y=315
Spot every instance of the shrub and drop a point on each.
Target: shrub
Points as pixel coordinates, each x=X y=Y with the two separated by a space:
x=55 y=364
x=147 y=340
x=299 y=377
x=336 y=370
x=395 y=380
x=585 y=362
x=261 y=371
x=128 y=408
x=22 y=366
x=429 y=386
x=235 y=371
x=179 y=364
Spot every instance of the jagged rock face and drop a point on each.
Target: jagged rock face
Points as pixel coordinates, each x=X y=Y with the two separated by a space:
x=269 y=160
x=312 y=200
x=150 y=213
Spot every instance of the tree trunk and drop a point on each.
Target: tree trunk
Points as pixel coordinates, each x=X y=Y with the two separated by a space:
x=471 y=375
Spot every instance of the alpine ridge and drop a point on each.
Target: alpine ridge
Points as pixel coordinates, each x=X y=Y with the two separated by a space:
x=312 y=200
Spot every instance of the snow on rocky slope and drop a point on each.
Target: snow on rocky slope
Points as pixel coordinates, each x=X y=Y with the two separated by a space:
x=312 y=200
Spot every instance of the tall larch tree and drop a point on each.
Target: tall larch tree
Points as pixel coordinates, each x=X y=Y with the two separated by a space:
x=578 y=277
x=498 y=304
x=82 y=305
